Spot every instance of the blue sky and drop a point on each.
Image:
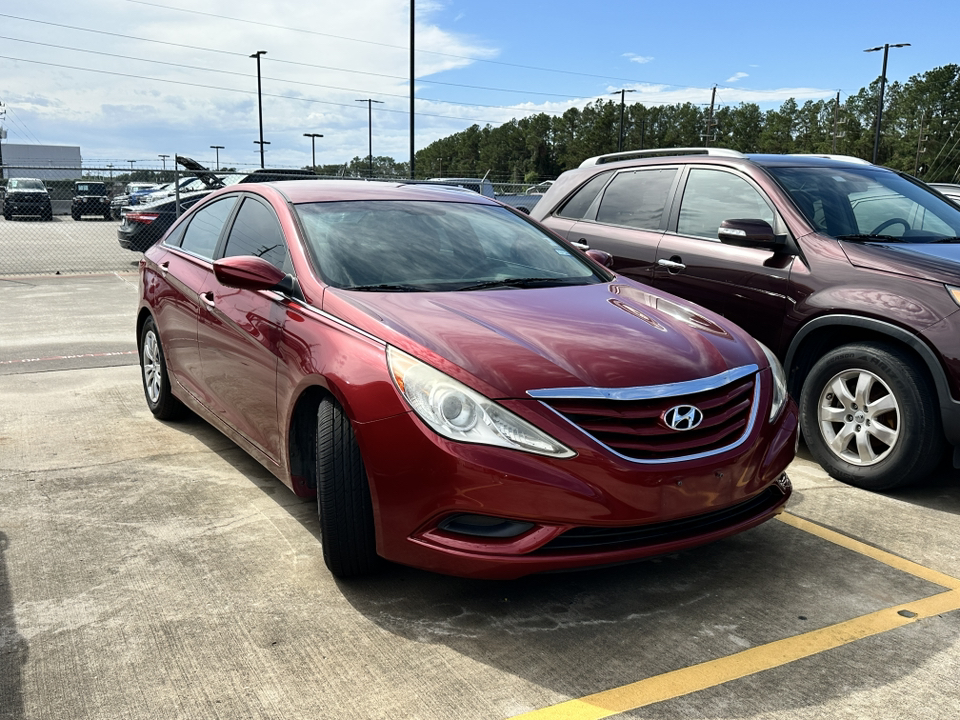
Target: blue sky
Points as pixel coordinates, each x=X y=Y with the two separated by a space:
x=132 y=79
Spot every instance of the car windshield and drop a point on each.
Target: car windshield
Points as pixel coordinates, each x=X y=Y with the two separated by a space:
x=389 y=245
x=26 y=184
x=91 y=189
x=864 y=203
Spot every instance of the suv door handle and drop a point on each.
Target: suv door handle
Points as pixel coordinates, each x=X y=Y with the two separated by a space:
x=580 y=244
x=208 y=299
x=671 y=265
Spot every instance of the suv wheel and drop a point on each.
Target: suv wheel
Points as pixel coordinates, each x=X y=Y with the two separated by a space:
x=869 y=416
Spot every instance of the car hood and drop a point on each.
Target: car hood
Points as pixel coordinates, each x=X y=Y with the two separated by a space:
x=609 y=335
x=935 y=262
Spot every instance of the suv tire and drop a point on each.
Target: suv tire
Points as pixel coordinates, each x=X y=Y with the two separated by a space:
x=869 y=416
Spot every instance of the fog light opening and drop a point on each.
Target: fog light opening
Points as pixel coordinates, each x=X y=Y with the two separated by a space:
x=485 y=526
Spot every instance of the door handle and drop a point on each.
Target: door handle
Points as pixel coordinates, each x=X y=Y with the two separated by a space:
x=672 y=266
x=207 y=299
x=580 y=244
x=164 y=268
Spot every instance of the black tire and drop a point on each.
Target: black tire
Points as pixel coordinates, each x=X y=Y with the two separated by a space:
x=75 y=216
x=870 y=416
x=8 y=217
x=47 y=215
x=106 y=216
x=343 y=497
x=156 y=381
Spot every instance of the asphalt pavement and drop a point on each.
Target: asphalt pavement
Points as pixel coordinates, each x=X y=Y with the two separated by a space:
x=153 y=570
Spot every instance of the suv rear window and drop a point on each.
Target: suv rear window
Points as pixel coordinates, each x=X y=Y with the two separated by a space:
x=577 y=206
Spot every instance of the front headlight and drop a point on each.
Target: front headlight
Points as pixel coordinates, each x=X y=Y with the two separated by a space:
x=779 y=382
x=455 y=411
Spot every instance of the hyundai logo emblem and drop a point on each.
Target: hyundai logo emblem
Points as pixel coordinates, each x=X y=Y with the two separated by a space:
x=683 y=417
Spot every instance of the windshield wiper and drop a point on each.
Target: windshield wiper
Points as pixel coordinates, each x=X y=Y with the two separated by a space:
x=944 y=240
x=517 y=282
x=386 y=287
x=864 y=237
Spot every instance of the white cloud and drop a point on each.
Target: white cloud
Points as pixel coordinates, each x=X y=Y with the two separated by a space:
x=737 y=76
x=642 y=59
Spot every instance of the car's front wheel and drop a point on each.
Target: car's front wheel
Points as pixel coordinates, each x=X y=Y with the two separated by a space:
x=156 y=381
x=343 y=497
x=869 y=416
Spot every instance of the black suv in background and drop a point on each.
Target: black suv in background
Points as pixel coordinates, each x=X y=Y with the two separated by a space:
x=26 y=197
x=90 y=198
x=849 y=272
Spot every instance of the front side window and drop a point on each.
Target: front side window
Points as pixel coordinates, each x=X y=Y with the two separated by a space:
x=256 y=231
x=712 y=196
x=435 y=246
x=636 y=199
x=204 y=229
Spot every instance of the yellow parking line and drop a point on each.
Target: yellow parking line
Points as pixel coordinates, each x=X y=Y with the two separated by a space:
x=764 y=657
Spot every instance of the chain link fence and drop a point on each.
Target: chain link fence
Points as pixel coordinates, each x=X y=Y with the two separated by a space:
x=67 y=227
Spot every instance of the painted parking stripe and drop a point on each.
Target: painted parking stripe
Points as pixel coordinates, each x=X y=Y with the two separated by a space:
x=764 y=657
x=67 y=357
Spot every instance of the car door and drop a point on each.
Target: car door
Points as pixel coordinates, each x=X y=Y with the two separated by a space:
x=181 y=275
x=747 y=285
x=240 y=332
x=627 y=218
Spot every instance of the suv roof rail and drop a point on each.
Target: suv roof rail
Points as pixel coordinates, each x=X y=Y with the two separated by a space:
x=654 y=152
x=829 y=156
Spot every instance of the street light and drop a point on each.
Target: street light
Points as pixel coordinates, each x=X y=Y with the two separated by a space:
x=883 y=82
x=257 y=55
x=131 y=167
x=313 y=146
x=163 y=159
x=622 y=92
x=218 y=148
x=369 y=103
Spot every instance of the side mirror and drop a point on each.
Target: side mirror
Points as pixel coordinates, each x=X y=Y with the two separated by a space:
x=600 y=256
x=247 y=272
x=747 y=232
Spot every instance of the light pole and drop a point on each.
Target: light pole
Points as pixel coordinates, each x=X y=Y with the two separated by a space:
x=261 y=143
x=163 y=159
x=218 y=148
x=313 y=146
x=369 y=103
x=883 y=82
x=257 y=55
x=622 y=92
x=131 y=167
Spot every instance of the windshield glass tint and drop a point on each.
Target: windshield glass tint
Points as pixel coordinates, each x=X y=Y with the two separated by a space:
x=868 y=201
x=26 y=184
x=433 y=246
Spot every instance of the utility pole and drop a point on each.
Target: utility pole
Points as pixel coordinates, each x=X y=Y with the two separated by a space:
x=3 y=134
x=412 y=92
x=883 y=82
x=920 y=141
x=622 y=92
x=163 y=159
x=711 y=123
x=836 y=121
x=369 y=103
x=313 y=145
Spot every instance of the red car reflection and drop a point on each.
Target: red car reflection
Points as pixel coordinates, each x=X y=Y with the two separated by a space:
x=461 y=390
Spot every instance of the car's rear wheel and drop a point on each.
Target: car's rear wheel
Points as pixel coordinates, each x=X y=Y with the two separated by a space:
x=343 y=497
x=156 y=381
x=75 y=216
x=869 y=416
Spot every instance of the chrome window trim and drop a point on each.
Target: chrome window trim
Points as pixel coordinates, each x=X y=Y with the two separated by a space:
x=702 y=384
x=646 y=392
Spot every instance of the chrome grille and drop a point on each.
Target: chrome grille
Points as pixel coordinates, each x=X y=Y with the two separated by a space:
x=630 y=421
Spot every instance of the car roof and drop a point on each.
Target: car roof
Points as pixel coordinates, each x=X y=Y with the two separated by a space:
x=307 y=191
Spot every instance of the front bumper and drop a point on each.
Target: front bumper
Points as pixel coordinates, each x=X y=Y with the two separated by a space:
x=591 y=510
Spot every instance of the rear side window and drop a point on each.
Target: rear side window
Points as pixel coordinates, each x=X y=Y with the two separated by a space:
x=256 y=231
x=636 y=199
x=205 y=227
x=576 y=207
x=712 y=196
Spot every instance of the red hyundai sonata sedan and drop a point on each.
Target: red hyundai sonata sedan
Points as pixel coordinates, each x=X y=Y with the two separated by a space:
x=463 y=391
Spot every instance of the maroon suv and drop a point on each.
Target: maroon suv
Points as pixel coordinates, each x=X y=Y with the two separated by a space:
x=848 y=271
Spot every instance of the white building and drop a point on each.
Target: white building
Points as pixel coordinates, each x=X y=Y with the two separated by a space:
x=47 y=162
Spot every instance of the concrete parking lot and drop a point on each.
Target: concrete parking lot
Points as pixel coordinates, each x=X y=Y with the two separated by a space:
x=152 y=569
